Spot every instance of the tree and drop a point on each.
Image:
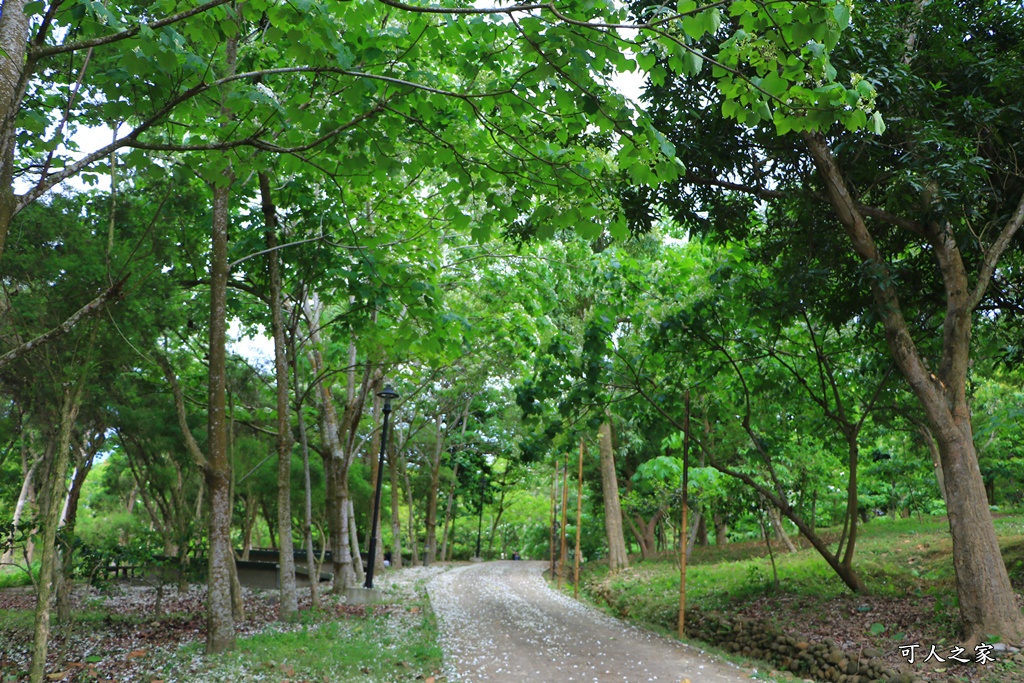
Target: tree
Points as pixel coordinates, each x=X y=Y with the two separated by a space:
x=907 y=228
x=65 y=252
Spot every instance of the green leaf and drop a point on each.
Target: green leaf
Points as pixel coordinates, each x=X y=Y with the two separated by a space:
x=618 y=229
x=876 y=629
x=691 y=63
x=842 y=14
x=481 y=233
x=775 y=84
x=589 y=230
x=877 y=125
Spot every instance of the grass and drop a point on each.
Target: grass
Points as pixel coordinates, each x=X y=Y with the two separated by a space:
x=13 y=576
x=895 y=559
x=386 y=643
x=384 y=647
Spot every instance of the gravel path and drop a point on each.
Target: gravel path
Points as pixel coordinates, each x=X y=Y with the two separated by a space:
x=500 y=622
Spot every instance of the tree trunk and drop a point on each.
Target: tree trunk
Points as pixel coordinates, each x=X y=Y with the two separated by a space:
x=14 y=38
x=269 y=520
x=721 y=535
x=617 y=557
x=357 y=557
x=500 y=510
x=448 y=512
x=933 y=451
x=344 y=574
x=414 y=543
x=68 y=519
x=19 y=507
x=286 y=557
x=644 y=532
x=396 y=518
x=51 y=499
x=847 y=574
x=312 y=566
x=339 y=441
x=987 y=601
x=780 y=531
x=336 y=517
x=237 y=598
x=220 y=630
x=248 y=523
x=451 y=548
x=691 y=540
x=373 y=455
x=430 y=552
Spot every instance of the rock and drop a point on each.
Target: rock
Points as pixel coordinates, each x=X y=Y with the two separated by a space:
x=834 y=657
x=802 y=645
x=906 y=678
x=1019 y=659
x=872 y=652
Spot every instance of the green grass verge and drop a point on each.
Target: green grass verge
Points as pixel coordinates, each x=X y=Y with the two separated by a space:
x=894 y=558
x=12 y=577
x=394 y=644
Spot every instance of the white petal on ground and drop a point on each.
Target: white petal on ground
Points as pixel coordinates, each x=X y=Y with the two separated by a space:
x=500 y=623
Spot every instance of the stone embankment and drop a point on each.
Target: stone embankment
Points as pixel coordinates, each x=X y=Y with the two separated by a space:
x=823 y=661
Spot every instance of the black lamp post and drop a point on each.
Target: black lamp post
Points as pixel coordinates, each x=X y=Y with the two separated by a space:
x=388 y=395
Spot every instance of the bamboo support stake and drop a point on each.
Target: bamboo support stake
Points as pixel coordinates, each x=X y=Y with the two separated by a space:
x=579 y=518
x=682 y=533
x=565 y=500
x=554 y=519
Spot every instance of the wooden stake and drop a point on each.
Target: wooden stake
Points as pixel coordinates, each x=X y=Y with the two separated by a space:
x=579 y=518
x=565 y=500
x=554 y=519
x=683 y=536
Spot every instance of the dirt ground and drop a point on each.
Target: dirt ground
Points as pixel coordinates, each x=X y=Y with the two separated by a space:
x=501 y=623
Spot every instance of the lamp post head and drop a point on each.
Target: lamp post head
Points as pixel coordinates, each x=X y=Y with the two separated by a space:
x=388 y=394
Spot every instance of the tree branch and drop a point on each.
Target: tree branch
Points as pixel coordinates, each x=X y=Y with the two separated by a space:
x=995 y=252
x=112 y=293
x=38 y=51
x=179 y=407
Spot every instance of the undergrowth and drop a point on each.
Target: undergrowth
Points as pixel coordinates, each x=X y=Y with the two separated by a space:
x=894 y=558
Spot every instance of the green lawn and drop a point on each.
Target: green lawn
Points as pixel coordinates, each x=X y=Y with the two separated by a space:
x=906 y=565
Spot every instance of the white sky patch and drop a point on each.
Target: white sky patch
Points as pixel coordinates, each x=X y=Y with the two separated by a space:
x=631 y=84
x=256 y=348
x=89 y=139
